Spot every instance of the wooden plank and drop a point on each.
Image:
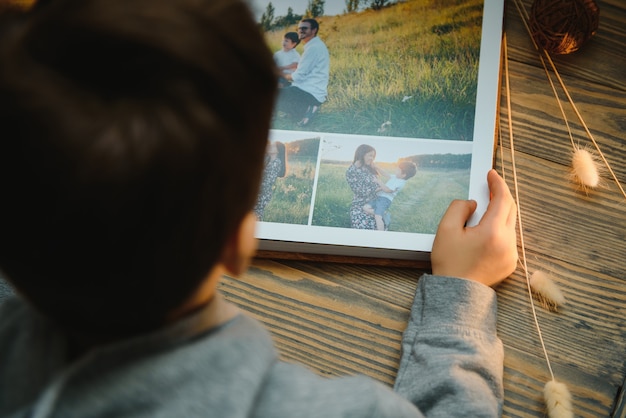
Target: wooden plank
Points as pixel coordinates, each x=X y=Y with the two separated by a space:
x=526 y=375
x=566 y=223
x=620 y=403
x=540 y=130
x=319 y=322
x=586 y=340
x=330 y=258
x=601 y=60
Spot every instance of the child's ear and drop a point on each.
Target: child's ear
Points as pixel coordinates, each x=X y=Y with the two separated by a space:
x=241 y=247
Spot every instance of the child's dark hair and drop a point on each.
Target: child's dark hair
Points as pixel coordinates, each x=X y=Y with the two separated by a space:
x=408 y=168
x=119 y=120
x=293 y=37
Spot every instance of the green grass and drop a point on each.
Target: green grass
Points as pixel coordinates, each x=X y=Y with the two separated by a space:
x=333 y=197
x=426 y=49
x=291 y=200
x=417 y=208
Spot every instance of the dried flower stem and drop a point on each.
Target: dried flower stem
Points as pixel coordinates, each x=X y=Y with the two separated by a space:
x=558 y=400
x=524 y=14
x=519 y=215
x=546 y=291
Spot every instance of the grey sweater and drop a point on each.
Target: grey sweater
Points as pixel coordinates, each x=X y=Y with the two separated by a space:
x=451 y=366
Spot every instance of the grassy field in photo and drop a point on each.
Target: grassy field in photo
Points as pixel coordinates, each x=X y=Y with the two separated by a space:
x=417 y=208
x=413 y=64
x=291 y=200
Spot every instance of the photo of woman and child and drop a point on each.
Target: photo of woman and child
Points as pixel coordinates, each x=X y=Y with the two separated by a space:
x=383 y=184
x=342 y=182
x=372 y=198
x=388 y=191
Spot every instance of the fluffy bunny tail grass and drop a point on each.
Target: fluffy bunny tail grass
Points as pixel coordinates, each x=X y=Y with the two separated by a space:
x=585 y=169
x=546 y=290
x=558 y=400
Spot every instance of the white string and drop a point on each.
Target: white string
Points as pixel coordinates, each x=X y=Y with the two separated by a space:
x=524 y=15
x=519 y=215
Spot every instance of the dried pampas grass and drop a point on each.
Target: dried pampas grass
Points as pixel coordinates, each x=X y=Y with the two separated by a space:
x=586 y=169
x=546 y=290
x=558 y=400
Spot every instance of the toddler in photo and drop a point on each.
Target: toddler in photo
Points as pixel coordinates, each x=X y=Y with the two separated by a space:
x=388 y=191
x=287 y=58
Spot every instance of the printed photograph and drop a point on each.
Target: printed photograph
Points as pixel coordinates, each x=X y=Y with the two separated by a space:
x=288 y=175
x=389 y=185
x=364 y=68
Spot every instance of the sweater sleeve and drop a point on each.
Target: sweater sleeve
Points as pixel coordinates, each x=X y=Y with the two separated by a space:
x=452 y=359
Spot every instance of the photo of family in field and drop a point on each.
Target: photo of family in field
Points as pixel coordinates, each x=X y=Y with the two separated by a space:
x=389 y=185
x=287 y=183
x=377 y=72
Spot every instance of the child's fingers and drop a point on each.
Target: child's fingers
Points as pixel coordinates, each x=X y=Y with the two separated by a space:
x=457 y=214
x=504 y=189
x=501 y=210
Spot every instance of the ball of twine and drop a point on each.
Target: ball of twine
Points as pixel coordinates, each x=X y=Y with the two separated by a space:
x=562 y=26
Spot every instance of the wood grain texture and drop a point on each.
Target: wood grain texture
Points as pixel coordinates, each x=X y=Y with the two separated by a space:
x=330 y=320
x=345 y=318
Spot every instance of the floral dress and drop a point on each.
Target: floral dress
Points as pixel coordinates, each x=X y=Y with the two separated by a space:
x=364 y=187
x=270 y=173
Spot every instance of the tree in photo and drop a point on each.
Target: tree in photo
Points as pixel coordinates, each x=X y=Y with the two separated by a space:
x=315 y=8
x=289 y=19
x=352 y=5
x=378 y=4
x=267 y=17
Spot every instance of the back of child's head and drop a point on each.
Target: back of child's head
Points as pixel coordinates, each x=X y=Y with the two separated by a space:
x=408 y=168
x=293 y=37
x=121 y=125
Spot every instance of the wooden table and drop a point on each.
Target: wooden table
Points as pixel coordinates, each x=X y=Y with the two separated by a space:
x=346 y=318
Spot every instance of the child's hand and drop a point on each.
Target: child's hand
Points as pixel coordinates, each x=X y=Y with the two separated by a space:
x=487 y=252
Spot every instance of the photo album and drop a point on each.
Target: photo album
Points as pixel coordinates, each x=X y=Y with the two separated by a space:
x=385 y=114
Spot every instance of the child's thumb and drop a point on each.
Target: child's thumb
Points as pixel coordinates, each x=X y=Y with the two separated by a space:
x=457 y=214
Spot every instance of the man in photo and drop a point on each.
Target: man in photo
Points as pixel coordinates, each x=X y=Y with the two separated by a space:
x=309 y=83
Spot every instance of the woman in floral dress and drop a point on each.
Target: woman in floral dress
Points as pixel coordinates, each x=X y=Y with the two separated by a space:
x=275 y=166
x=361 y=177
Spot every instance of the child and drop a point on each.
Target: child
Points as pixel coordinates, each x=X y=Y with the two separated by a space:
x=388 y=191
x=129 y=167
x=275 y=166
x=287 y=58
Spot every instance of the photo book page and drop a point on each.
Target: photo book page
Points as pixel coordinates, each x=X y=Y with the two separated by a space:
x=384 y=116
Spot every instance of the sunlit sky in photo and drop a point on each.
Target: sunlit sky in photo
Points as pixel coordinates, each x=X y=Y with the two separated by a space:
x=339 y=147
x=388 y=150
x=331 y=7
